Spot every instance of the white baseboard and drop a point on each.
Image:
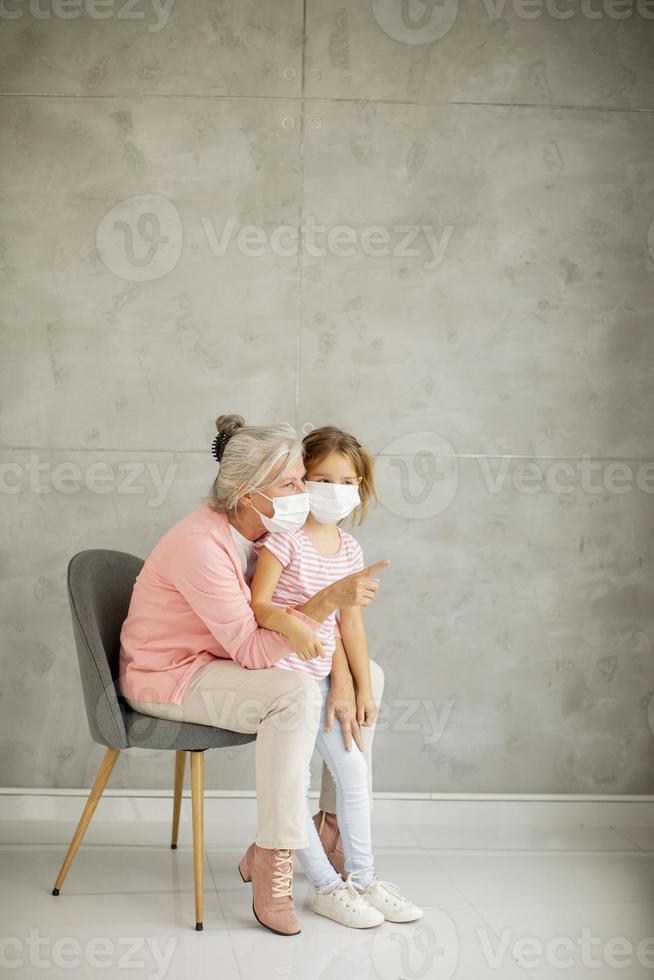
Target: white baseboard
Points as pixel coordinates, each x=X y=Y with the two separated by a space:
x=434 y=809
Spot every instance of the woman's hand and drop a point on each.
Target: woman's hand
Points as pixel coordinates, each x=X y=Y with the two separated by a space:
x=342 y=703
x=366 y=708
x=304 y=641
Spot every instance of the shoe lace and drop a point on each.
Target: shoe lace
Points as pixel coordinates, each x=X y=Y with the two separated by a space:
x=388 y=885
x=349 y=889
x=282 y=876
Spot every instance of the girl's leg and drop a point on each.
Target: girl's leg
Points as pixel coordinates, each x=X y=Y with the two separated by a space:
x=350 y=774
x=327 y=802
x=313 y=859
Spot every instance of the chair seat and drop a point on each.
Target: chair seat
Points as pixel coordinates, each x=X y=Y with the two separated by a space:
x=146 y=732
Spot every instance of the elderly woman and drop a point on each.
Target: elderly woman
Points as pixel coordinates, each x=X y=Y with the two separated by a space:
x=191 y=650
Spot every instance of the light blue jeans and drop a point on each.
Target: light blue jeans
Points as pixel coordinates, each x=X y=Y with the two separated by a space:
x=350 y=774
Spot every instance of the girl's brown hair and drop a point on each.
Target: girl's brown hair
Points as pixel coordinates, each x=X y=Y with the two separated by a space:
x=328 y=439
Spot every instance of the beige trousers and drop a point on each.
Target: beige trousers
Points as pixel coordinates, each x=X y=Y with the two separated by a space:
x=282 y=708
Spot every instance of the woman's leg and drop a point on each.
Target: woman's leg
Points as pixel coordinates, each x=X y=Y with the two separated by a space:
x=327 y=801
x=282 y=707
x=349 y=771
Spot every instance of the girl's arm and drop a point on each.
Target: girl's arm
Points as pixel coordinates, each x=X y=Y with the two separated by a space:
x=355 y=642
x=263 y=584
x=272 y=617
x=341 y=700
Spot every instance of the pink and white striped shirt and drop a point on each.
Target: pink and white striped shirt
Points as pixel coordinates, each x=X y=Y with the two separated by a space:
x=305 y=572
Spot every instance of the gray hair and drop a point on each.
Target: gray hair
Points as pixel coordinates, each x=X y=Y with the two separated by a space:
x=251 y=458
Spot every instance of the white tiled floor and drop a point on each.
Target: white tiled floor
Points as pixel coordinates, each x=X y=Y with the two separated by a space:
x=494 y=898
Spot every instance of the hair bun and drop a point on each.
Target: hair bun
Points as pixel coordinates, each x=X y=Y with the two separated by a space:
x=226 y=425
x=229 y=424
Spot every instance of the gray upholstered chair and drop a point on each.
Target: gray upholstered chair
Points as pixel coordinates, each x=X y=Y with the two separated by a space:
x=100 y=584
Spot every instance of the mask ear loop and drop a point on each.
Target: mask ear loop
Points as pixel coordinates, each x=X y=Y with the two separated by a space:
x=259 y=512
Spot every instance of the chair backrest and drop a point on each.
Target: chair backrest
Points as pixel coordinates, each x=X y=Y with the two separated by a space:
x=100 y=584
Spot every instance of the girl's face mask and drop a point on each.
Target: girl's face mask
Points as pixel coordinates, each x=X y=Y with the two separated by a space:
x=331 y=502
x=289 y=512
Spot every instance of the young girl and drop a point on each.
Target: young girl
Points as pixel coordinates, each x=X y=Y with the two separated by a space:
x=291 y=567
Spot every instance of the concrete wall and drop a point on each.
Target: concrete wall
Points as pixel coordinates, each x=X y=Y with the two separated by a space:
x=483 y=323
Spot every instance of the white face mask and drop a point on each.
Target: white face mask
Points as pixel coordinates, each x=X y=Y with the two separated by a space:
x=331 y=502
x=289 y=512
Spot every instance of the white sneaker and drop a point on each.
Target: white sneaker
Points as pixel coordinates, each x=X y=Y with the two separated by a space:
x=386 y=898
x=346 y=905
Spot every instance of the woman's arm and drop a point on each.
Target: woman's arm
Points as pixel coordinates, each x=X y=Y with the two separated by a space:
x=204 y=574
x=264 y=581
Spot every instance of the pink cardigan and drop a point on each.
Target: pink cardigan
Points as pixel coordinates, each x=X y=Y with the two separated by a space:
x=190 y=604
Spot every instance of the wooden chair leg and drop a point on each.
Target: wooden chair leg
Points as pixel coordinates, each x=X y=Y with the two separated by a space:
x=109 y=761
x=180 y=763
x=197 y=801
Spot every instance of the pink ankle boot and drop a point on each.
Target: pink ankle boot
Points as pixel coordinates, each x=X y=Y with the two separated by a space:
x=330 y=836
x=271 y=872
